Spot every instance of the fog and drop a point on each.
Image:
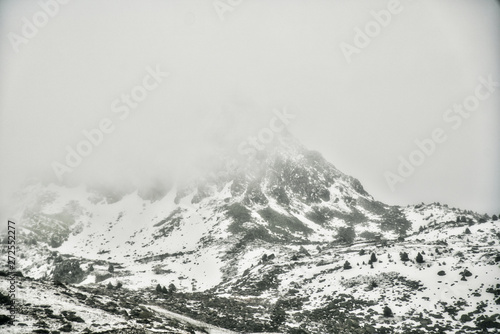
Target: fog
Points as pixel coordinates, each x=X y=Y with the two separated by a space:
x=221 y=80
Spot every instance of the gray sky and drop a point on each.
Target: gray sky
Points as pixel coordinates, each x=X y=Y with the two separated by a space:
x=361 y=115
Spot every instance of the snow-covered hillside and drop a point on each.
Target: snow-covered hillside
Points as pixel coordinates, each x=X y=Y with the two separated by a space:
x=285 y=243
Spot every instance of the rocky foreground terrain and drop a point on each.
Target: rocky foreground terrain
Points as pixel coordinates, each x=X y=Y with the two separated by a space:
x=287 y=244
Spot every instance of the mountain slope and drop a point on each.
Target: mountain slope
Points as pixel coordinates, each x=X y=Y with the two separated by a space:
x=281 y=241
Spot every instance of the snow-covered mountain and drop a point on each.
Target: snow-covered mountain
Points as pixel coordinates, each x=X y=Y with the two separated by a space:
x=283 y=242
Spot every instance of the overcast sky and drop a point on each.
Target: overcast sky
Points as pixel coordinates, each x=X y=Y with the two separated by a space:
x=362 y=112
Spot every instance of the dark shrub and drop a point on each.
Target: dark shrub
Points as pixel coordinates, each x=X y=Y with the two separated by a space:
x=465 y=318
x=388 y=312
x=346 y=234
x=466 y=273
x=347 y=265
x=4 y=319
x=419 y=258
x=484 y=322
x=5 y=299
